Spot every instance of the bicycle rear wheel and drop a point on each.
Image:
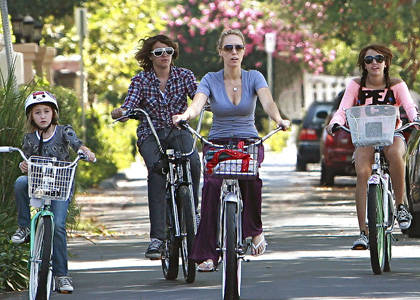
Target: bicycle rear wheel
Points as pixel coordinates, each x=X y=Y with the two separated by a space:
x=376 y=228
x=40 y=261
x=231 y=263
x=170 y=256
x=186 y=223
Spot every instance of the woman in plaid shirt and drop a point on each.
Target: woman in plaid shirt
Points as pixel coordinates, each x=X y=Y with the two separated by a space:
x=161 y=89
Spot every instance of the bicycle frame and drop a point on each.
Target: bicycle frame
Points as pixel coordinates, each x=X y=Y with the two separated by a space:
x=46 y=191
x=179 y=175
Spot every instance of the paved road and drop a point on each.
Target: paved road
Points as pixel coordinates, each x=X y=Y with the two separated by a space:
x=309 y=229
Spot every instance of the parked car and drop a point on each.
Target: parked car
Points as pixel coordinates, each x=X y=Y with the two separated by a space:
x=336 y=151
x=309 y=134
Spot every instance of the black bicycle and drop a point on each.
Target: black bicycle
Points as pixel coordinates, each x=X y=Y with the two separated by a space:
x=181 y=217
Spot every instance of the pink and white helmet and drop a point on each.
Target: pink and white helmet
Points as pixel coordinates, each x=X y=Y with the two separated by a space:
x=38 y=98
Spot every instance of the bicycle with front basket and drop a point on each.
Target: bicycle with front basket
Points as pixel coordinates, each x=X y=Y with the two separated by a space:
x=181 y=216
x=230 y=242
x=48 y=180
x=374 y=125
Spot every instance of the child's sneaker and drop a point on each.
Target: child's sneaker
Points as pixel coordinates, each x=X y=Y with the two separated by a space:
x=63 y=284
x=362 y=243
x=21 y=235
x=403 y=217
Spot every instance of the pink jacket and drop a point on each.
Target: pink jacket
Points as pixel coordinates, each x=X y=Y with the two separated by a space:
x=350 y=97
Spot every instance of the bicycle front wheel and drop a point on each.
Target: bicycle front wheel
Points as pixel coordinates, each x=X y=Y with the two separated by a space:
x=391 y=220
x=230 y=256
x=376 y=228
x=170 y=256
x=40 y=261
x=186 y=224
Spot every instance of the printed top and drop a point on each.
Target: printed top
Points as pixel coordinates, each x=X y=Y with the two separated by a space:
x=397 y=95
x=55 y=146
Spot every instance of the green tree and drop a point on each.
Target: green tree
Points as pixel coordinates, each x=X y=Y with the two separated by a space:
x=351 y=25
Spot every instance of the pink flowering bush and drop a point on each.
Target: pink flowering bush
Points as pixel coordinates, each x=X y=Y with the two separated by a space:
x=196 y=25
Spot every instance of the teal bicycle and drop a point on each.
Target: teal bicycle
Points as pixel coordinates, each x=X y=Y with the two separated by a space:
x=48 y=180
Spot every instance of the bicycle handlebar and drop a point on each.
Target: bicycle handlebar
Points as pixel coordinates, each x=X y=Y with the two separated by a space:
x=337 y=127
x=8 y=149
x=185 y=125
x=134 y=114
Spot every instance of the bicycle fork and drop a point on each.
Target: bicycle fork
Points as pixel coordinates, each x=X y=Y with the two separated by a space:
x=381 y=178
x=230 y=194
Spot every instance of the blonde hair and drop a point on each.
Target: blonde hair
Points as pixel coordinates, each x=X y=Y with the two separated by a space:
x=229 y=32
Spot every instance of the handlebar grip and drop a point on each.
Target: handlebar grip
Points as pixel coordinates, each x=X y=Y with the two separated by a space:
x=5 y=149
x=182 y=123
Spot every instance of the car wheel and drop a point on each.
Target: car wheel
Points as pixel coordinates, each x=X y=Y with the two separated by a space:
x=414 y=230
x=300 y=165
x=327 y=177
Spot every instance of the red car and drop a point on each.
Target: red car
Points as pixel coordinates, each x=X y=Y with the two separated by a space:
x=336 y=151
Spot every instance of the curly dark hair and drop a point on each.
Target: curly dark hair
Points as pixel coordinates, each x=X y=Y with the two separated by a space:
x=386 y=52
x=143 y=53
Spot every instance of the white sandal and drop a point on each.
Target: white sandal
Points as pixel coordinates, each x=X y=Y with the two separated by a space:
x=255 y=248
x=206 y=266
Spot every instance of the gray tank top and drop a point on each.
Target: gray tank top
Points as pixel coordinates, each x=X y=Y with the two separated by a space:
x=231 y=120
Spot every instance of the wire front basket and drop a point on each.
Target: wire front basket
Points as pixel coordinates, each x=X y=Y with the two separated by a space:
x=372 y=125
x=232 y=162
x=49 y=178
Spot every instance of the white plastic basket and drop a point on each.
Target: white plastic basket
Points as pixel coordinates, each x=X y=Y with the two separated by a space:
x=49 y=178
x=372 y=125
x=233 y=168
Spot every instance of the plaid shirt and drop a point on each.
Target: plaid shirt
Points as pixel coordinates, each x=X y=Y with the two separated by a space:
x=144 y=93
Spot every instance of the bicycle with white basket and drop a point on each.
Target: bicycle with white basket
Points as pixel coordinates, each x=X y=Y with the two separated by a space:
x=48 y=179
x=374 y=125
x=230 y=243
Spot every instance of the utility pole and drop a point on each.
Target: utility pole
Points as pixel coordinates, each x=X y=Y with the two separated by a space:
x=81 y=24
x=270 y=45
x=8 y=42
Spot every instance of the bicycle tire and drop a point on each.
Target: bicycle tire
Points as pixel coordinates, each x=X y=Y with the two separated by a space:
x=230 y=256
x=186 y=224
x=40 y=264
x=388 y=236
x=376 y=228
x=170 y=256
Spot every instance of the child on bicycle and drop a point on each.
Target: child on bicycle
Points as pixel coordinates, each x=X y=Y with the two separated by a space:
x=375 y=87
x=46 y=138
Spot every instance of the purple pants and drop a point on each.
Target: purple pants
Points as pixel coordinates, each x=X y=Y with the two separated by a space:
x=205 y=242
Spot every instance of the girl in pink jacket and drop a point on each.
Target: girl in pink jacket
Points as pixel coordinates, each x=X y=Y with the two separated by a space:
x=375 y=87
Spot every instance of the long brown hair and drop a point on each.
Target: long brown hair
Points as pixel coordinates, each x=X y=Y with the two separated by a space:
x=386 y=52
x=143 y=53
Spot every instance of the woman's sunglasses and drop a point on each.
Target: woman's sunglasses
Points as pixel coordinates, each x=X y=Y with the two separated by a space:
x=369 y=59
x=230 y=47
x=159 y=51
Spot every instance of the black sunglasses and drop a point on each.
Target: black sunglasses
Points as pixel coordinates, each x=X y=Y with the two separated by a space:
x=369 y=59
x=159 y=51
x=230 y=47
